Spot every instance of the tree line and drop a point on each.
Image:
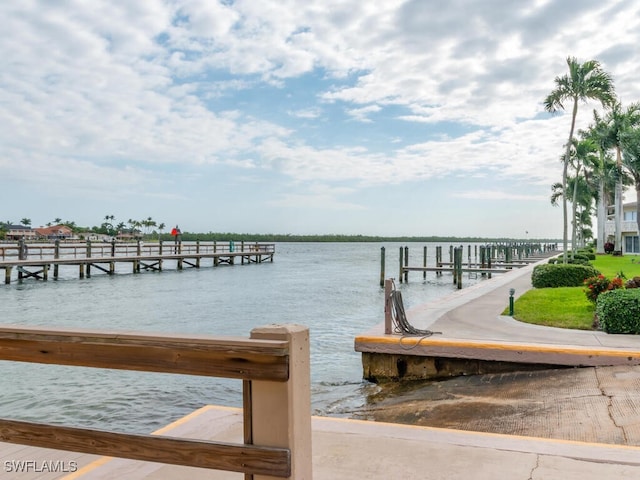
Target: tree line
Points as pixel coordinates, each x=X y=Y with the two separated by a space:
x=109 y=226
x=599 y=161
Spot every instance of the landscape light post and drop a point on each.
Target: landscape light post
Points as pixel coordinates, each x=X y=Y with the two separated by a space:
x=512 y=292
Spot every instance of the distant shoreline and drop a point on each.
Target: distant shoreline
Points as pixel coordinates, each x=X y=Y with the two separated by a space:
x=256 y=237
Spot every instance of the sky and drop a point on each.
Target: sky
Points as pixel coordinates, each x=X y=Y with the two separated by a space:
x=378 y=117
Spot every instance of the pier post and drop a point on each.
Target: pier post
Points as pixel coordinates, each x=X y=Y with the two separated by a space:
x=489 y=263
x=406 y=264
x=7 y=275
x=388 y=286
x=160 y=247
x=242 y=251
x=88 y=255
x=22 y=249
x=454 y=262
x=113 y=247
x=457 y=269
x=56 y=255
x=401 y=255
x=439 y=260
x=424 y=262
x=382 y=262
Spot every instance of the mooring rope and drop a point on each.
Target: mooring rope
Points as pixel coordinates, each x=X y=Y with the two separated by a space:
x=399 y=317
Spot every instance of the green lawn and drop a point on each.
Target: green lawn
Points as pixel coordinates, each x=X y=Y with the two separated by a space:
x=568 y=307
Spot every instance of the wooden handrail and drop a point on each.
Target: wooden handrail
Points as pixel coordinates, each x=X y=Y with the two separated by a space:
x=249 y=459
x=262 y=360
x=44 y=251
x=229 y=357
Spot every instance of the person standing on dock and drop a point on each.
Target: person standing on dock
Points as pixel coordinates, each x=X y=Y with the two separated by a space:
x=176 y=237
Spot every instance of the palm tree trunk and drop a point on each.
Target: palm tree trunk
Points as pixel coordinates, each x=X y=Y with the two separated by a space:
x=618 y=200
x=637 y=179
x=565 y=168
x=574 y=210
x=601 y=217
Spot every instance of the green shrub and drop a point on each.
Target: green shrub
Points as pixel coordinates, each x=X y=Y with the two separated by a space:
x=618 y=311
x=587 y=253
x=578 y=261
x=561 y=275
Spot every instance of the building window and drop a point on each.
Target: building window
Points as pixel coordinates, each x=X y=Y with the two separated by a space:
x=630 y=216
x=631 y=244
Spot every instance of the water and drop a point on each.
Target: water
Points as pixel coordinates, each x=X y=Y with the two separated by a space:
x=333 y=288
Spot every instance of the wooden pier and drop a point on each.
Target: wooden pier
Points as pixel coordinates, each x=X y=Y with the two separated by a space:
x=489 y=259
x=42 y=260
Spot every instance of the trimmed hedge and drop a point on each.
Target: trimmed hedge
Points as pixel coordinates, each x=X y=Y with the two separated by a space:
x=588 y=254
x=618 y=311
x=561 y=275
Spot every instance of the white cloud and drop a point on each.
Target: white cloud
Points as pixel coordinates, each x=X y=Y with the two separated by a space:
x=145 y=92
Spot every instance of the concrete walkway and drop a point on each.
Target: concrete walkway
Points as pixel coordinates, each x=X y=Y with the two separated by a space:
x=470 y=325
x=348 y=449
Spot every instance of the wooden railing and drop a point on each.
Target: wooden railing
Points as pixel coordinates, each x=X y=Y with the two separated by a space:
x=38 y=250
x=273 y=364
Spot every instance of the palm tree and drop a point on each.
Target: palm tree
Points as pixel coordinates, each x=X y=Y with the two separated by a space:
x=585 y=81
x=584 y=155
x=605 y=174
x=580 y=191
x=26 y=222
x=630 y=143
x=618 y=120
x=148 y=224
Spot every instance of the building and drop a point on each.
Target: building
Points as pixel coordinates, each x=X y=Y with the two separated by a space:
x=57 y=232
x=20 y=232
x=630 y=235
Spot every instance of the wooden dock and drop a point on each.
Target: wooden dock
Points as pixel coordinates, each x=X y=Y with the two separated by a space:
x=488 y=259
x=42 y=260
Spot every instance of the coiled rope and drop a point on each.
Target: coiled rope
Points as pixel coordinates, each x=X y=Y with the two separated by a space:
x=399 y=317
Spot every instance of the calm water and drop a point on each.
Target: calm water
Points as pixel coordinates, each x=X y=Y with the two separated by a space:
x=331 y=288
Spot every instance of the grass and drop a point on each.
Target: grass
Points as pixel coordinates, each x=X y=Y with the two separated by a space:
x=568 y=307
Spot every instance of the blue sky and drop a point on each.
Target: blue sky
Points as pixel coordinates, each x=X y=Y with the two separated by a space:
x=383 y=117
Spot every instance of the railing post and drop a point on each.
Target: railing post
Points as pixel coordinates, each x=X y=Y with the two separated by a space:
x=281 y=411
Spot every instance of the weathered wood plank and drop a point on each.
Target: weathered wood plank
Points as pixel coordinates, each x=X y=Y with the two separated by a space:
x=228 y=357
x=249 y=459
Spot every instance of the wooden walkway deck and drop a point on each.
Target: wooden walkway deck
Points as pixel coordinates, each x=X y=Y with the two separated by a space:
x=40 y=261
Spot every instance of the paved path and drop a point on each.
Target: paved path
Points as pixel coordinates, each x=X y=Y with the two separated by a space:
x=348 y=449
